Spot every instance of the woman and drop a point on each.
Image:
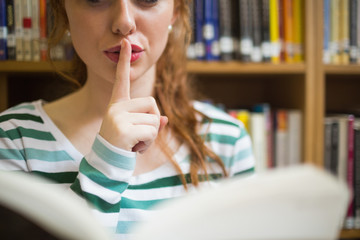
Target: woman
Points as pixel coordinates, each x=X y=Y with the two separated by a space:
x=130 y=136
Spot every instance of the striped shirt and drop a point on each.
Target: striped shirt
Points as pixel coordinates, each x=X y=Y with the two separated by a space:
x=31 y=142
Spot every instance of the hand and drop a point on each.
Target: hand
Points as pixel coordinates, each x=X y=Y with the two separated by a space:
x=130 y=124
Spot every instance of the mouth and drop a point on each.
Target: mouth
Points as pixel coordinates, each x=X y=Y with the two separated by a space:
x=114 y=53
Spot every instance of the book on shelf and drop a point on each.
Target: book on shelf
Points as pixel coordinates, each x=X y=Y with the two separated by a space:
x=297 y=28
x=248 y=30
x=353 y=19
x=265 y=31
x=3 y=31
x=288 y=25
x=275 y=134
x=326 y=33
x=341 y=43
x=342 y=158
x=357 y=174
x=25 y=25
x=227 y=24
x=255 y=13
x=11 y=40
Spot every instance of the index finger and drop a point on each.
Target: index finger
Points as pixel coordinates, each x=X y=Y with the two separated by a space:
x=121 y=88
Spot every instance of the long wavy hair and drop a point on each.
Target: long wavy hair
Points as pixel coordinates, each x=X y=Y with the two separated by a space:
x=172 y=90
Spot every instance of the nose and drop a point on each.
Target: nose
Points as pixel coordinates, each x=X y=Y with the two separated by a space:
x=123 y=19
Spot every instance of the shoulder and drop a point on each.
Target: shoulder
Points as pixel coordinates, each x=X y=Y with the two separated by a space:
x=22 y=114
x=217 y=121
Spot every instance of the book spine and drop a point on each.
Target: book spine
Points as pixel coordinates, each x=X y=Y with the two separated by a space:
x=326 y=39
x=357 y=174
x=265 y=30
x=353 y=51
x=327 y=144
x=215 y=46
x=199 y=41
x=246 y=41
x=334 y=33
x=298 y=31
x=226 y=33
x=294 y=120
x=282 y=146
x=334 y=161
x=255 y=8
x=3 y=31
x=208 y=29
x=258 y=136
x=344 y=32
x=288 y=20
x=27 y=26
x=11 y=40
x=19 y=31
x=274 y=31
x=358 y=31
x=43 y=30
x=281 y=29
x=349 y=221
x=35 y=40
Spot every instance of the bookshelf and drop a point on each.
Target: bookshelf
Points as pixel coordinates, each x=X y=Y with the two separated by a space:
x=311 y=86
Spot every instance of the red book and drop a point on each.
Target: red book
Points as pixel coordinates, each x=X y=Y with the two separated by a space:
x=349 y=221
x=43 y=33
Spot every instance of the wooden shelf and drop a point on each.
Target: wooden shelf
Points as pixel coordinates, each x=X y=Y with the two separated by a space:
x=27 y=67
x=193 y=67
x=203 y=67
x=350 y=234
x=342 y=69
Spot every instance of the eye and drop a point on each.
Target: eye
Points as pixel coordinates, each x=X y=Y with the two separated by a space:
x=96 y=2
x=147 y=3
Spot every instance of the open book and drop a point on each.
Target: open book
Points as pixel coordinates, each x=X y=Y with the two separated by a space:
x=295 y=203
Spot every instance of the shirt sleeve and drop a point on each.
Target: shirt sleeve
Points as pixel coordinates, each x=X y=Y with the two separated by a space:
x=242 y=159
x=104 y=174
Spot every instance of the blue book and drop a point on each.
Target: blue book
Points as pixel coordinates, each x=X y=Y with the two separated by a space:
x=199 y=40
x=326 y=48
x=3 y=31
x=209 y=28
x=216 y=21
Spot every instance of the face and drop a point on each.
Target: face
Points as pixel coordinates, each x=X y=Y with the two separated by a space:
x=97 y=28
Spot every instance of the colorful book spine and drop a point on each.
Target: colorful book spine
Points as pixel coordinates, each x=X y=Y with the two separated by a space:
x=43 y=30
x=27 y=26
x=282 y=139
x=19 y=32
x=334 y=35
x=344 y=32
x=246 y=41
x=326 y=37
x=298 y=10
x=265 y=30
x=11 y=40
x=215 y=47
x=274 y=31
x=353 y=51
x=227 y=47
x=288 y=20
x=199 y=40
x=357 y=174
x=349 y=220
x=255 y=10
x=3 y=31
x=358 y=31
x=35 y=38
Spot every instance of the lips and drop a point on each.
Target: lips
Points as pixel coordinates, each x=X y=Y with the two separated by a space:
x=113 y=53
